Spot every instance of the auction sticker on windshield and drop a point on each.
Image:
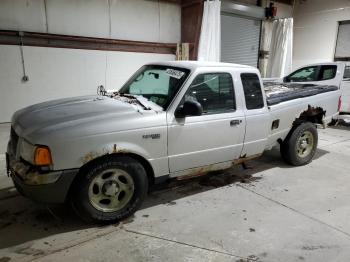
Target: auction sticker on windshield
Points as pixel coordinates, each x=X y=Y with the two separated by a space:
x=174 y=73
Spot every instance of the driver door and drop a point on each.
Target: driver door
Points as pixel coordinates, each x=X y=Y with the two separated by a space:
x=214 y=137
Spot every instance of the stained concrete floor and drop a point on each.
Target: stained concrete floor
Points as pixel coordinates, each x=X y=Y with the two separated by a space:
x=269 y=212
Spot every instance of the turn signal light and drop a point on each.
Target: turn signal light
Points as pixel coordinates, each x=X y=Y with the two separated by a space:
x=42 y=156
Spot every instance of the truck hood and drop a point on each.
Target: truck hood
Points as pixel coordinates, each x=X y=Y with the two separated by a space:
x=76 y=116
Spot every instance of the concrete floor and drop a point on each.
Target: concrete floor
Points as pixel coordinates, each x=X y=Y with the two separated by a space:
x=269 y=212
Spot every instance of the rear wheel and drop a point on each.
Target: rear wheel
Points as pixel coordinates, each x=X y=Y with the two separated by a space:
x=300 y=145
x=110 y=189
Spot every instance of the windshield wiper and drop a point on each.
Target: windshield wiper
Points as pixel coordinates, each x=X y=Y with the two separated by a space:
x=133 y=97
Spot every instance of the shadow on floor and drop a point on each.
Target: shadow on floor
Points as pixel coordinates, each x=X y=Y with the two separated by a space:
x=342 y=125
x=23 y=221
x=168 y=192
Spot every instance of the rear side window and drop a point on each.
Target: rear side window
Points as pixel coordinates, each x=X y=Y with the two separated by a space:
x=347 y=72
x=252 y=91
x=328 y=72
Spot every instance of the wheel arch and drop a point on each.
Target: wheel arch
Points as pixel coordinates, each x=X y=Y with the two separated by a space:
x=314 y=115
x=144 y=162
x=311 y=114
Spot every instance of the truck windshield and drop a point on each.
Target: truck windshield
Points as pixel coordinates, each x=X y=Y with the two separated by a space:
x=157 y=83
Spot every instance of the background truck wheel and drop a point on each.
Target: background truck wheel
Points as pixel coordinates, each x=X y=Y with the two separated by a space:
x=110 y=189
x=300 y=145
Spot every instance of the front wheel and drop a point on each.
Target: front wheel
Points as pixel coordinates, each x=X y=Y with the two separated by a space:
x=300 y=145
x=110 y=189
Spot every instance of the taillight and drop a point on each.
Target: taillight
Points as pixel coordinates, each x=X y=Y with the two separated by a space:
x=339 y=104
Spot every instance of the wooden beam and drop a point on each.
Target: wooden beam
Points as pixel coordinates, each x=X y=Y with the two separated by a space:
x=191 y=22
x=80 y=42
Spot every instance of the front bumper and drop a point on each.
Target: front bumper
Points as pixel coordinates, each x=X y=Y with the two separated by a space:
x=45 y=187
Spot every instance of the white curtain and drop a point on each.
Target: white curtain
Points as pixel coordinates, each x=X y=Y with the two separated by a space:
x=280 y=54
x=265 y=41
x=210 y=39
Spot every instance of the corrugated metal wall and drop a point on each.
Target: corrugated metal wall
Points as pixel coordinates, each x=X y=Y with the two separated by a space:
x=239 y=40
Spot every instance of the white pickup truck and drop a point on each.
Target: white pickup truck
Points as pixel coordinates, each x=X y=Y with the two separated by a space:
x=335 y=73
x=171 y=119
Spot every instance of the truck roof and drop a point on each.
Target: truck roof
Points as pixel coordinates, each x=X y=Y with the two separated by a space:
x=196 y=64
x=326 y=63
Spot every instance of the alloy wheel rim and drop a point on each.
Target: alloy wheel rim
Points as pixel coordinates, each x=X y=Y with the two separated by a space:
x=111 y=190
x=305 y=144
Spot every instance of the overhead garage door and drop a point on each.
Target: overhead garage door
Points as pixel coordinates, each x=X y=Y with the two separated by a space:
x=239 y=40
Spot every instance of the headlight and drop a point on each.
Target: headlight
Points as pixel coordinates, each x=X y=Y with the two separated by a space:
x=37 y=155
x=26 y=151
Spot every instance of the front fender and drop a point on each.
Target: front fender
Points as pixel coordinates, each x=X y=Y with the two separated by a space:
x=114 y=148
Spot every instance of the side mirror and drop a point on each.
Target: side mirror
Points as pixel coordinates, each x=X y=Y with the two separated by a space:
x=286 y=79
x=189 y=108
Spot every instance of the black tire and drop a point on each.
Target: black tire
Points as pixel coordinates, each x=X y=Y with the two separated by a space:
x=80 y=194
x=289 y=147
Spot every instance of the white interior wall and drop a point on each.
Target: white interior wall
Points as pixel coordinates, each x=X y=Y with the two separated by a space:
x=57 y=72
x=316 y=28
x=140 y=20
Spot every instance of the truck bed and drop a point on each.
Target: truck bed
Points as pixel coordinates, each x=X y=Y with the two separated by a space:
x=281 y=92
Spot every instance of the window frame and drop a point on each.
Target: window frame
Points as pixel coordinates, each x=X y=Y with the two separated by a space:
x=234 y=109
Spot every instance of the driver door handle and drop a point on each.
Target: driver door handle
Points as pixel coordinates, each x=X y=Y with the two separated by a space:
x=235 y=122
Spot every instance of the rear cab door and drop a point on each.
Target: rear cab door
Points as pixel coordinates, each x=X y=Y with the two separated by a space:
x=216 y=136
x=258 y=121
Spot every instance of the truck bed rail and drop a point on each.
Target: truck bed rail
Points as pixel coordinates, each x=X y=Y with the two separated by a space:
x=281 y=92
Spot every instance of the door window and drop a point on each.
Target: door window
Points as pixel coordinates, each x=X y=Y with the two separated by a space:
x=214 y=91
x=252 y=91
x=303 y=75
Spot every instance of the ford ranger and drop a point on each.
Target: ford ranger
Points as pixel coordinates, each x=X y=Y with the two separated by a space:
x=171 y=119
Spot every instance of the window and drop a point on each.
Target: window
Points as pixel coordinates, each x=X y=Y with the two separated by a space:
x=214 y=91
x=342 y=49
x=303 y=75
x=347 y=72
x=158 y=84
x=252 y=91
x=328 y=72
x=151 y=81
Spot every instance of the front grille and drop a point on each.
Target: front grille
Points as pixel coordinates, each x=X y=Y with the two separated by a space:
x=14 y=141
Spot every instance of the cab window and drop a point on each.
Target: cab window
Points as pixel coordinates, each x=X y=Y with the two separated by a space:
x=303 y=75
x=252 y=91
x=328 y=72
x=347 y=72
